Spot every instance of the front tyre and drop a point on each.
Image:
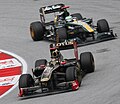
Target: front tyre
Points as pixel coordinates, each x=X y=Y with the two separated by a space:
x=102 y=26
x=26 y=80
x=37 y=31
x=71 y=74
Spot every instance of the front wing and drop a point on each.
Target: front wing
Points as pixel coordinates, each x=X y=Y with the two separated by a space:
x=41 y=94
x=37 y=91
x=99 y=37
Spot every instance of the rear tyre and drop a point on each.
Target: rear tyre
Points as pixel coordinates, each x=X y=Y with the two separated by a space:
x=102 y=26
x=26 y=80
x=37 y=31
x=61 y=34
x=38 y=68
x=78 y=15
x=40 y=62
x=87 y=62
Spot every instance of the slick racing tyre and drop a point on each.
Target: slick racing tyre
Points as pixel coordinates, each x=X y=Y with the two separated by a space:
x=37 y=31
x=78 y=15
x=102 y=26
x=26 y=80
x=61 y=35
x=40 y=62
x=38 y=68
x=71 y=73
x=87 y=62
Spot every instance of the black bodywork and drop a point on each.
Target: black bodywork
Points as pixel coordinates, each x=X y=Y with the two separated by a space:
x=59 y=74
x=60 y=30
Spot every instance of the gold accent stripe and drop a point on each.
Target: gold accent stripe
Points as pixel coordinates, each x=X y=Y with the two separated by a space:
x=87 y=26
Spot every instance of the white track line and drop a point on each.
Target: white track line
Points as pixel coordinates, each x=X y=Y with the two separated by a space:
x=24 y=64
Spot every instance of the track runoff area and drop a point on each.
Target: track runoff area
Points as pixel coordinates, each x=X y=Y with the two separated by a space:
x=11 y=67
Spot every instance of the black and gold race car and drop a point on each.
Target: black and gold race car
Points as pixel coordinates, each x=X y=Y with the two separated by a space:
x=59 y=74
x=66 y=26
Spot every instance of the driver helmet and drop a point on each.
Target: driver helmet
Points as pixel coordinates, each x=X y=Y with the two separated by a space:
x=69 y=18
x=55 y=53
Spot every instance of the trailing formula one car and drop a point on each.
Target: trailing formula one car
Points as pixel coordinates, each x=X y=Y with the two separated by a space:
x=59 y=74
x=66 y=26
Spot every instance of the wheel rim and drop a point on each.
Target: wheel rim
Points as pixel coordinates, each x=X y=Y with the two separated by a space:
x=32 y=32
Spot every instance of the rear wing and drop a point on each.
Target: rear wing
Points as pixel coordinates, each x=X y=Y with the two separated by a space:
x=51 y=8
x=66 y=45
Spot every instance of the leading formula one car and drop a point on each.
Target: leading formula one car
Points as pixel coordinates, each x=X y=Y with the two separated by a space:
x=59 y=74
x=66 y=26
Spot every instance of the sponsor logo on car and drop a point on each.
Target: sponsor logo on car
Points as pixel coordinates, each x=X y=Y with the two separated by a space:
x=64 y=43
x=52 y=7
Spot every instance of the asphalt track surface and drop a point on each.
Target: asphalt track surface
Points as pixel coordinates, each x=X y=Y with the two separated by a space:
x=100 y=87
